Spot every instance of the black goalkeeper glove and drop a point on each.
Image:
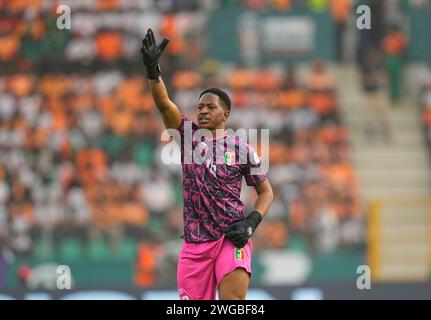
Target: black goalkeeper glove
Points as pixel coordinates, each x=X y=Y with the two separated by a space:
x=239 y=232
x=151 y=53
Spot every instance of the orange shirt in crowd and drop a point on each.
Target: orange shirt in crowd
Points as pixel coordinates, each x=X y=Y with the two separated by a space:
x=104 y=5
x=130 y=92
x=107 y=105
x=322 y=103
x=9 y=46
x=82 y=102
x=21 y=5
x=66 y=174
x=59 y=120
x=169 y=29
x=186 y=80
x=395 y=43
x=240 y=79
x=340 y=10
x=277 y=153
x=134 y=213
x=266 y=80
x=91 y=165
x=297 y=214
x=21 y=84
x=55 y=86
x=282 y=5
x=121 y=120
x=340 y=174
x=291 y=99
x=38 y=28
x=427 y=117
x=332 y=134
x=147 y=102
x=24 y=210
x=2 y=173
x=38 y=139
x=239 y=98
x=321 y=81
x=145 y=266
x=109 y=45
x=254 y=4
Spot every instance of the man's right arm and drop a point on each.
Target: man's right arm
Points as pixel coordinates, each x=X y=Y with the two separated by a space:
x=151 y=53
x=171 y=114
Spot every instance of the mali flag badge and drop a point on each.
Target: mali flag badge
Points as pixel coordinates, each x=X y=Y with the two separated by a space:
x=229 y=158
x=239 y=254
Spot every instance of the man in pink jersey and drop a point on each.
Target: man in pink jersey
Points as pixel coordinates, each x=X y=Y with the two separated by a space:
x=216 y=252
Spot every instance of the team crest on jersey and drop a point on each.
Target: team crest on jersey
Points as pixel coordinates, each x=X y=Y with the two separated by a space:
x=229 y=158
x=239 y=254
x=202 y=148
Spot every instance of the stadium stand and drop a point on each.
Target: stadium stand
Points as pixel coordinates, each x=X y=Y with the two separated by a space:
x=80 y=170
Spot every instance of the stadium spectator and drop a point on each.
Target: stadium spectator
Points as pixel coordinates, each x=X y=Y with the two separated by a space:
x=340 y=11
x=394 y=46
x=376 y=122
x=320 y=78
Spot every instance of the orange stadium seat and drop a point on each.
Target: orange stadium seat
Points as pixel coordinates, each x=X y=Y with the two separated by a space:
x=321 y=102
x=240 y=79
x=427 y=117
x=9 y=47
x=291 y=99
x=266 y=80
x=109 y=45
x=186 y=80
x=282 y=5
x=108 y=5
x=21 y=84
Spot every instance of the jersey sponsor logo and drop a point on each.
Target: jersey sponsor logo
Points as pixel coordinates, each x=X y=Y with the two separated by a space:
x=229 y=158
x=250 y=231
x=239 y=254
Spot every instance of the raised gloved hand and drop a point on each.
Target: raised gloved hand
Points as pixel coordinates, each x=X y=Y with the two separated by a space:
x=151 y=53
x=239 y=232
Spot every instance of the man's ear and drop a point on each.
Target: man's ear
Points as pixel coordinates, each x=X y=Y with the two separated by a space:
x=226 y=114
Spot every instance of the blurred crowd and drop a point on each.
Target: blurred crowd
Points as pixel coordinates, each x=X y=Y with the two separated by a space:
x=425 y=101
x=80 y=168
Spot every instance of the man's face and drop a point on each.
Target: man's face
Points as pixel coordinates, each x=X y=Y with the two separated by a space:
x=212 y=112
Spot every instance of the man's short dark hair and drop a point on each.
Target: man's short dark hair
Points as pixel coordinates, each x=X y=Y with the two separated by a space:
x=221 y=94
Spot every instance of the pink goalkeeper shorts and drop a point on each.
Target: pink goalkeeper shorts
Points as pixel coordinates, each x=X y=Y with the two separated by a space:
x=202 y=266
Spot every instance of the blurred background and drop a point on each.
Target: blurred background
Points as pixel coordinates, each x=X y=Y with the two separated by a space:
x=349 y=112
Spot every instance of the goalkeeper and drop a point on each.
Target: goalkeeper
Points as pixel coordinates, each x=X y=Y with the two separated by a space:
x=216 y=252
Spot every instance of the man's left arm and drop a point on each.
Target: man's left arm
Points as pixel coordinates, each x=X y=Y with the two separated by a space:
x=239 y=233
x=264 y=197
